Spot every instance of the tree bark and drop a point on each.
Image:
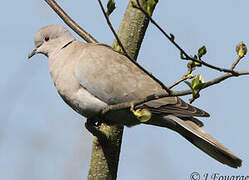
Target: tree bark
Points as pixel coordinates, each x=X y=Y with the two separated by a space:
x=105 y=151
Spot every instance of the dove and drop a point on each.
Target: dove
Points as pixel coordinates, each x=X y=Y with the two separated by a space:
x=91 y=76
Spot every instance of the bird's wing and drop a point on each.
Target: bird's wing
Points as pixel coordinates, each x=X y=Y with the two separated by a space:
x=179 y=108
x=113 y=78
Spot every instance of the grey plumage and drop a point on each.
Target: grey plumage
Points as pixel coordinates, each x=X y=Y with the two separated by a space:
x=91 y=76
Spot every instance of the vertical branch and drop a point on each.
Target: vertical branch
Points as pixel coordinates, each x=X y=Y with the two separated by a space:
x=105 y=154
x=132 y=30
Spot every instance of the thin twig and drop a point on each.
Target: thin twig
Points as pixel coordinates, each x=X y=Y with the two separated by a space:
x=71 y=23
x=112 y=29
x=184 y=77
x=178 y=82
x=173 y=93
x=224 y=77
x=236 y=62
x=210 y=65
x=187 y=57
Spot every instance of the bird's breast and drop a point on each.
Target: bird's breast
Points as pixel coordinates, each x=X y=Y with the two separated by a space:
x=71 y=91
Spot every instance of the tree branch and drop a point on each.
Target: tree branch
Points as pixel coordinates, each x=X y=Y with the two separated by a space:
x=71 y=23
x=178 y=82
x=172 y=40
x=224 y=77
x=235 y=63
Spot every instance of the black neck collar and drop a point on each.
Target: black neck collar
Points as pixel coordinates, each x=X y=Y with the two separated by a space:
x=68 y=44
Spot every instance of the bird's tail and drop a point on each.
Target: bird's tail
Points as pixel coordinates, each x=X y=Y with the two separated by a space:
x=197 y=136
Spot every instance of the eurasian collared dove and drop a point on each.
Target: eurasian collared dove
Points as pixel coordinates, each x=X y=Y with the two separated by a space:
x=91 y=76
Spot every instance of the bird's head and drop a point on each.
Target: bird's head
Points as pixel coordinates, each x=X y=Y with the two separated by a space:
x=51 y=38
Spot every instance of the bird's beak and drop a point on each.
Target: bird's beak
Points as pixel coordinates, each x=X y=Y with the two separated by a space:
x=32 y=53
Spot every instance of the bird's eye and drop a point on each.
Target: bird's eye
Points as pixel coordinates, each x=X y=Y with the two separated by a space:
x=46 y=38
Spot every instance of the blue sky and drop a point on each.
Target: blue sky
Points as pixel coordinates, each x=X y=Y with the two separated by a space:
x=42 y=138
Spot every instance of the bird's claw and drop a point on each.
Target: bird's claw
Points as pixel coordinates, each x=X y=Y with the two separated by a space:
x=95 y=121
x=92 y=127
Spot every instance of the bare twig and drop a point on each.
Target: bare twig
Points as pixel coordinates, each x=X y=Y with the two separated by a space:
x=236 y=62
x=113 y=31
x=71 y=23
x=224 y=77
x=187 y=57
x=173 y=93
x=178 y=82
x=184 y=77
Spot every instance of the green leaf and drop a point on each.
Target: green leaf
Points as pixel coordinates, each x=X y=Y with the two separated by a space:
x=199 y=86
x=149 y=6
x=197 y=64
x=202 y=51
x=198 y=83
x=118 y=48
x=172 y=37
x=189 y=84
x=200 y=77
x=110 y=7
x=241 y=49
x=195 y=82
x=195 y=92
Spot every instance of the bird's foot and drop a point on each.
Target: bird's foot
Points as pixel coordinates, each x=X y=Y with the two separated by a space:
x=95 y=130
x=95 y=121
x=91 y=126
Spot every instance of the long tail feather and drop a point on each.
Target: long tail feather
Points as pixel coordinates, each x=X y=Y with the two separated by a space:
x=197 y=136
